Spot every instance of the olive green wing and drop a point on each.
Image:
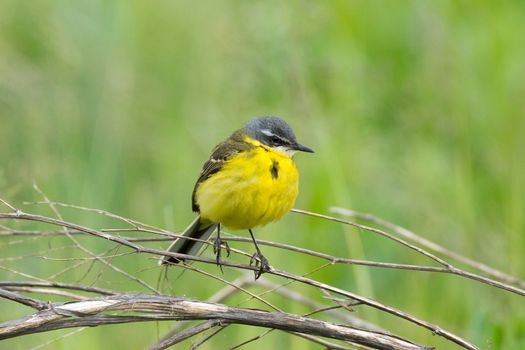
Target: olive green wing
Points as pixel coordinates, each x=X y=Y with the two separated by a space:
x=221 y=154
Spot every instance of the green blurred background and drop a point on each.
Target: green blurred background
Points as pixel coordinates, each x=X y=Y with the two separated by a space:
x=416 y=111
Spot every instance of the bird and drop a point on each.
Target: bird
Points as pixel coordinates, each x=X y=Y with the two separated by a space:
x=249 y=180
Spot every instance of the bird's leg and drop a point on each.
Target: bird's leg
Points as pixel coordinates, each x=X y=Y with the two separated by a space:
x=217 y=247
x=258 y=258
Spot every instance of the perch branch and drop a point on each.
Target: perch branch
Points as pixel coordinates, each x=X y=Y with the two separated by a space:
x=141 y=249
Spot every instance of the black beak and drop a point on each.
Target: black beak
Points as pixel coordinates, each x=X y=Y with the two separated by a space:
x=303 y=148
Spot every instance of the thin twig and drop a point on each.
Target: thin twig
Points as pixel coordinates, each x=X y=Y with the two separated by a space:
x=54 y=340
x=49 y=284
x=301 y=298
x=48 y=291
x=311 y=338
x=375 y=230
x=328 y=345
x=8 y=205
x=52 y=206
x=183 y=335
x=448 y=267
x=377 y=305
x=337 y=260
x=431 y=245
x=252 y=295
x=134 y=223
x=208 y=337
x=34 y=303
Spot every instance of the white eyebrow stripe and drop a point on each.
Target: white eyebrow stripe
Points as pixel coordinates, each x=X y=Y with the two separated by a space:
x=268 y=132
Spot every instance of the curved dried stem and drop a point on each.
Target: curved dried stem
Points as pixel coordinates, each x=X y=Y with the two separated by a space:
x=158 y=307
x=150 y=308
x=142 y=249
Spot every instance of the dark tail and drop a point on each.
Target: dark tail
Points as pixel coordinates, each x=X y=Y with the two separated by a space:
x=198 y=230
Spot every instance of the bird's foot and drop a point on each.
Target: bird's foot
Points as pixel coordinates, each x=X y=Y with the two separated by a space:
x=260 y=261
x=218 y=244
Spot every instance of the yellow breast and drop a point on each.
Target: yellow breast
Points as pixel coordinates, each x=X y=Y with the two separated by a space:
x=252 y=189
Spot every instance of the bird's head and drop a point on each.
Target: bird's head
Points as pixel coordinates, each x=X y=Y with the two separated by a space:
x=275 y=133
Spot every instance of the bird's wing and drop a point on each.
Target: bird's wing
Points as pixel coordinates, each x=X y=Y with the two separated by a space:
x=223 y=152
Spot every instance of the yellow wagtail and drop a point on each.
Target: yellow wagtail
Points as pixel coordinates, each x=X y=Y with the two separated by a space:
x=249 y=180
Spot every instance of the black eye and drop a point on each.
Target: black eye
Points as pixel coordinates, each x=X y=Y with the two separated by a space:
x=275 y=139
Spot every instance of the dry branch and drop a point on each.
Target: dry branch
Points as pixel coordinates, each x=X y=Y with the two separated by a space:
x=159 y=307
x=19 y=215
x=93 y=311
x=431 y=245
x=447 y=267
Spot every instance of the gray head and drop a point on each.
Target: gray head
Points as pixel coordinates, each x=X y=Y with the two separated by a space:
x=276 y=133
